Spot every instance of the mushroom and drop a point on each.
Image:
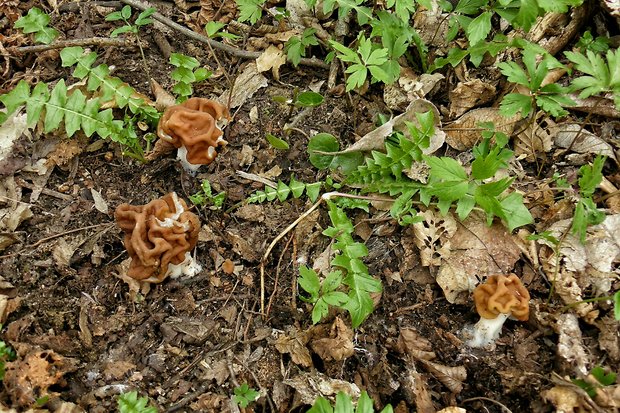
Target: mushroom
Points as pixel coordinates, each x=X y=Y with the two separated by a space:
x=499 y=298
x=159 y=237
x=195 y=128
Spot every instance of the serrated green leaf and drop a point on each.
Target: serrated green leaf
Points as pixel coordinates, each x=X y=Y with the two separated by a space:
x=446 y=168
x=36 y=21
x=123 y=29
x=16 y=97
x=309 y=281
x=36 y=103
x=479 y=28
x=313 y=190
x=250 y=10
x=514 y=103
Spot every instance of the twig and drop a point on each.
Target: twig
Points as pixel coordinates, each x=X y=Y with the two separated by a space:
x=243 y=54
x=506 y=409
x=90 y=41
x=275 y=283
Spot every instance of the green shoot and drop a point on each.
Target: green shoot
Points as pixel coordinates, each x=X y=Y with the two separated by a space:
x=250 y=10
x=214 y=30
x=296 y=46
x=36 y=21
x=598 y=380
x=186 y=73
x=602 y=76
x=344 y=404
x=586 y=213
x=131 y=403
x=276 y=142
x=244 y=395
x=205 y=196
x=322 y=294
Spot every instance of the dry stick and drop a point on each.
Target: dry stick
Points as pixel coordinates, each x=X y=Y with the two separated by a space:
x=89 y=41
x=275 y=283
x=243 y=54
x=488 y=400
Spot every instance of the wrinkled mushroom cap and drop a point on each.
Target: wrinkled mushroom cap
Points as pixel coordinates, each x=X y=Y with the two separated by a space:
x=196 y=125
x=502 y=294
x=157 y=234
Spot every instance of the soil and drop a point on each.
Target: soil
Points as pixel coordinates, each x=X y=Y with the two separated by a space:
x=189 y=343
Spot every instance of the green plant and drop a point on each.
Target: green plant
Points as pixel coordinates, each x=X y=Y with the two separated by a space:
x=598 y=380
x=6 y=354
x=214 y=30
x=296 y=46
x=344 y=404
x=551 y=98
x=322 y=294
x=602 y=76
x=131 y=403
x=364 y=59
x=586 y=213
x=205 y=196
x=244 y=395
x=36 y=21
x=143 y=19
x=283 y=191
x=587 y=42
x=186 y=73
x=363 y=13
x=250 y=10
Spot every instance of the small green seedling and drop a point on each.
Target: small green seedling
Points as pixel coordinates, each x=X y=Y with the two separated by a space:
x=344 y=404
x=131 y=403
x=6 y=354
x=250 y=10
x=244 y=395
x=186 y=73
x=586 y=212
x=205 y=196
x=124 y=14
x=296 y=46
x=322 y=294
x=214 y=30
x=276 y=142
x=601 y=379
x=36 y=21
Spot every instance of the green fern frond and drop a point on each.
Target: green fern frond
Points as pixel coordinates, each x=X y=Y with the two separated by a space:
x=282 y=191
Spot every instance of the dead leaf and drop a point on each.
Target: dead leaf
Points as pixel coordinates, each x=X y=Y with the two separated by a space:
x=452 y=409
x=571 y=350
x=609 y=336
x=451 y=377
x=214 y=369
x=338 y=343
x=574 y=137
x=465 y=132
x=100 y=204
x=14 y=214
x=312 y=385
x=427 y=235
x=163 y=99
x=272 y=58
x=65 y=248
x=565 y=399
x=416 y=391
x=374 y=140
x=413 y=344
x=477 y=250
x=247 y=83
x=223 y=9
x=467 y=95
x=535 y=140
x=294 y=344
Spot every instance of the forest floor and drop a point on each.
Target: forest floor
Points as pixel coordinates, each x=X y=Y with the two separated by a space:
x=82 y=337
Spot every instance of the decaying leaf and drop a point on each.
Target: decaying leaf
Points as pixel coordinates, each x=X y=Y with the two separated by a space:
x=571 y=350
x=465 y=132
x=30 y=377
x=477 y=251
x=13 y=214
x=609 y=336
x=432 y=236
x=415 y=388
x=534 y=140
x=564 y=398
x=410 y=86
x=272 y=58
x=574 y=137
x=294 y=344
x=335 y=342
x=224 y=10
x=251 y=80
x=374 y=140
x=467 y=95
x=451 y=377
x=310 y=386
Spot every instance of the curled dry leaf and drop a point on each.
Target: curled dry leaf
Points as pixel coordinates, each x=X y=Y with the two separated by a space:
x=432 y=237
x=251 y=80
x=335 y=342
x=564 y=398
x=451 y=377
x=477 y=250
x=534 y=140
x=574 y=137
x=413 y=344
x=465 y=132
x=410 y=86
x=467 y=95
x=272 y=58
x=13 y=213
x=415 y=389
x=294 y=344
x=310 y=386
x=452 y=409
x=571 y=351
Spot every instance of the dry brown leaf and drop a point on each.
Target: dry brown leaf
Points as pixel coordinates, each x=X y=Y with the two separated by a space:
x=465 y=132
x=224 y=10
x=14 y=213
x=416 y=390
x=571 y=350
x=410 y=86
x=477 y=250
x=432 y=237
x=215 y=370
x=565 y=399
x=295 y=344
x=452 y=409
x=251 y=80
x=451 y=377
x=312 y=385
x=29 y=378
x=212 y=403
x=271 y=59
x=433 y=26
x=413 y=344
x=338 y=345
x=534 y=140
x=574 y=137
x=467 y=95
x=609 y=336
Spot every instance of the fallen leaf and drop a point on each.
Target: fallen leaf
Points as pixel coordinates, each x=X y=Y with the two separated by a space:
x=574 y=137
x=467 y=95
x=100 y=204
x=465 y=132
x=247 y=83
x=410 y=342
x=571 y=350
x=427 y=235
x=338 y=343
x=451 y=377
x=272 y=58
x=312 y=385
x=294 y=344
x=564 y=399
x=534 y=141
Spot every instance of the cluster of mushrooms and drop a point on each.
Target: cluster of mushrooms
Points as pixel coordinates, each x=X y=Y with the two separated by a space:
x=160 y=235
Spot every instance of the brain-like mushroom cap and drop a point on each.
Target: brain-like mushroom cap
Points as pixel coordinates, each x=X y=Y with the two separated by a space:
x=502 y=294
x=194 y=125
x=157 y=234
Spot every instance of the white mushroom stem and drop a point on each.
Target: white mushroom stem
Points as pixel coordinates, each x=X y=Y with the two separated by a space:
x=188 y=268
x=189 y=167
x=486 y=331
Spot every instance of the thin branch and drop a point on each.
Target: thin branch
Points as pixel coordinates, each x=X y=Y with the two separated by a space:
x=90 y=41
x=243 y=54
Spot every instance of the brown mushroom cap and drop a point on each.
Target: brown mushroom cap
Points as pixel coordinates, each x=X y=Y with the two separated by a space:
x=157 y=234
x=193 y=125
x=502 y=294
